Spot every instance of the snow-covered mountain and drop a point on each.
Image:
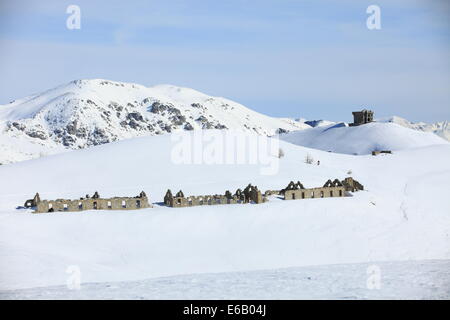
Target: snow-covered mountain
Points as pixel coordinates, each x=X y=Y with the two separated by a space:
x=362 y=139
x=441 y=128
x=85 y=113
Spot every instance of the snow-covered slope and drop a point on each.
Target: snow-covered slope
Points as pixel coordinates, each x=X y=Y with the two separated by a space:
x=84 y=113
x=441 y=128
x=429 y=279
x=362 y=139
x=401 y=215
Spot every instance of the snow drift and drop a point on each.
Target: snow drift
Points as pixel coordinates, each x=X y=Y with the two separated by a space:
x=362 y=139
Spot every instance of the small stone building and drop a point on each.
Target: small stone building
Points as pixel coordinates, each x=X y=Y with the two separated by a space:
x=249 y=194
x=89 y=203
x=362 y=117
x=377 y=152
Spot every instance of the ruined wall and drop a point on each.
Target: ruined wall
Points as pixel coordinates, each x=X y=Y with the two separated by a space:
x=250 y=194
x=203 y=201
x=116 y=203
x=324 y=192
x=352 y=185
x=268 y=193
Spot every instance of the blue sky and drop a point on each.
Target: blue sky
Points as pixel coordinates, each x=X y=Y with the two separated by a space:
x=312 y=59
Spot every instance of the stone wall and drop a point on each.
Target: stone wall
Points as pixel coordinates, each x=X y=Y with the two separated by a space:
x=362 y=117
x=203 y=200
x=324 y=192
x=97 y=203
x=335 y=188
x=249 y=194
x=352 y=185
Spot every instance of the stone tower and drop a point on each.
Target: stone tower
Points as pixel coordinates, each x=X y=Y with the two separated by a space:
x=362 y=117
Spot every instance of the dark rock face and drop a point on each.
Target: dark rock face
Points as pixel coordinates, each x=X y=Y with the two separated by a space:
x=134 y=124
x=188 y=126
x=135 y=116
x=167 y=128
x=175 y=117
x=68 y=141
x=197 y=105
x=37 y=134
x=281 y=131
x=158 y=107
x=220 y=126
x=17 y=125
x=178 y=120
x=207 y=124
x=98 y=136
x=91 y=102
x=81 y=133
x=88 y=122
x=71 y=128
x=202 y=119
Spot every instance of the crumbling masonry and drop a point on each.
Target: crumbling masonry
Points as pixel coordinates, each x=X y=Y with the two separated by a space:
x=249 y=194
x=252 y=194
x=333 y=188
x=88 y=203
x=362 y=117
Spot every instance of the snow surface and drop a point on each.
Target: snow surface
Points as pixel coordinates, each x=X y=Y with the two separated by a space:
x=362 y=139
x=403 y=214
x=429 y=279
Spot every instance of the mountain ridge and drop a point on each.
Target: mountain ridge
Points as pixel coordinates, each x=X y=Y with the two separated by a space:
x=84 y=113
x=89 y=112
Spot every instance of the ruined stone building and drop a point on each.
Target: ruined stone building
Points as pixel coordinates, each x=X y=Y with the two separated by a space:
x=377 y=152
x=88 y=203
x=334 y=188
x=249 y=194
x=30 y=203
x=362 y=117
x=351 y=184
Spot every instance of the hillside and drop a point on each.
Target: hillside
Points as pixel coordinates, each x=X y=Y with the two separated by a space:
x=441 y=128
x=85 y=113
x=362 y=139
x=401 y=215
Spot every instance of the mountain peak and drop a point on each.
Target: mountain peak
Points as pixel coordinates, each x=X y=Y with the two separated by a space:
x=87 y=112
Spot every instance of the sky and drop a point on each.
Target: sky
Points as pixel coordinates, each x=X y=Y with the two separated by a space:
x=313 y=59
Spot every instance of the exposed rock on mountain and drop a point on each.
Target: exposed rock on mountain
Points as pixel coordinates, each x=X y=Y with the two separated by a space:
x=85 y=113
